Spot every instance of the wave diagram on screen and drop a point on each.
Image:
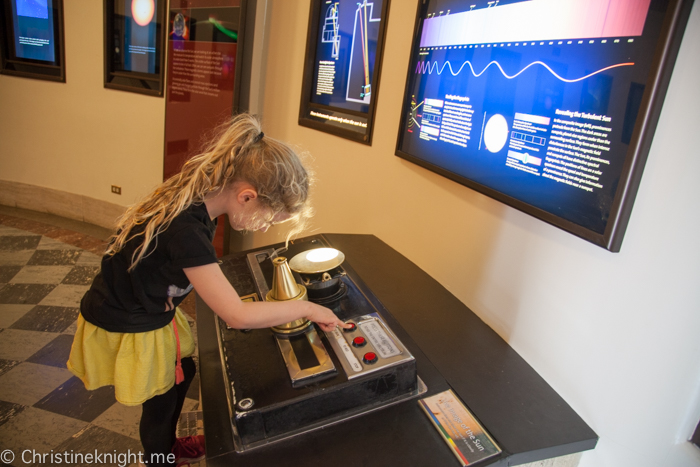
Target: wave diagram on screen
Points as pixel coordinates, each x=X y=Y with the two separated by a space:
x=435 y=67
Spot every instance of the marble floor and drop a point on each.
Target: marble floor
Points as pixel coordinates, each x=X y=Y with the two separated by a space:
x=46 y=265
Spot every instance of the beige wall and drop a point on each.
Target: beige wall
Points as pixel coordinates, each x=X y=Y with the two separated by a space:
x=615 y=334
x=79 y=137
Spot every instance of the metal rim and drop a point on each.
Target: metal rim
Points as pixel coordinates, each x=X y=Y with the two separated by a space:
x=301 y=264
x=293 y=331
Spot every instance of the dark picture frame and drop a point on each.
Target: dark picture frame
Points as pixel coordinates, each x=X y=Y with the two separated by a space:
x=32 y=42
x=558 y=186
x=342 y=67
x=134 y=45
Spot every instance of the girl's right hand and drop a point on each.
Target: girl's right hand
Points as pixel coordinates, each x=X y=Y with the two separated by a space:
x=325 y=318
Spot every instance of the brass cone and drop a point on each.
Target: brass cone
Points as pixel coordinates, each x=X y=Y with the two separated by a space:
x=284 y=287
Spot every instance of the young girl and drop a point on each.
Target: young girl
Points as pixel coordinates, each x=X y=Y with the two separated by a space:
x=130 y=332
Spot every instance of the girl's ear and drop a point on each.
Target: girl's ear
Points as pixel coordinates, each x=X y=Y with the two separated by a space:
x=247 y=194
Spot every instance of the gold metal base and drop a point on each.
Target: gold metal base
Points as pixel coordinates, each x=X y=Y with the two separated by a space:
x=293 y=327
x=289 y=329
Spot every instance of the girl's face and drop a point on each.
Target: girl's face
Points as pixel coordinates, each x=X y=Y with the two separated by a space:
x=245 y=211
x=255 y=217
x=278 y=218
x=259 y=220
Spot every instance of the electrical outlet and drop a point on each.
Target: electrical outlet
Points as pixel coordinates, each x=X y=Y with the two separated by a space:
x=116 y=189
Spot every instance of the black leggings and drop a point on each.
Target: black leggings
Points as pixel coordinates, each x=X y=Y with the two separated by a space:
x=159 y=418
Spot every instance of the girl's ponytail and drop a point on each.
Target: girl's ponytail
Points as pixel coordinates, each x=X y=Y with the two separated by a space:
x=240 y=152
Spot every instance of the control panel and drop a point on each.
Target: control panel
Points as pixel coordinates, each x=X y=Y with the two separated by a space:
x=367 y=346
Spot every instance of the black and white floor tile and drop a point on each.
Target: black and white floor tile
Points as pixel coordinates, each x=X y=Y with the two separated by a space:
x=44 y=409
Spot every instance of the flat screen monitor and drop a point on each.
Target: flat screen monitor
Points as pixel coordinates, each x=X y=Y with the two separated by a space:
x=341 y=75
x=546 y=105
x=32 y=39
x=136 y=36
x=134 y=42
x=33 y=31
x=140 y=36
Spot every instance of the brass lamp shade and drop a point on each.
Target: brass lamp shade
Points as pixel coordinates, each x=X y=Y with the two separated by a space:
x=317 y=260
x=284 y=288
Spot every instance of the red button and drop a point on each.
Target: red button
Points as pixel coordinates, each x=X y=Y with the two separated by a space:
x=359 y=341
x=370 y=357
x=352 y=327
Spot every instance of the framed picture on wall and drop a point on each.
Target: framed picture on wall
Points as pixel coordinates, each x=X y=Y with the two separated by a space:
x=343 y=61
x=134 y=44
x=32 y=39
x=549 y=107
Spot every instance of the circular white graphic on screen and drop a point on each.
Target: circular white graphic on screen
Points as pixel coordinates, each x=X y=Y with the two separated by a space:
x=496 y=133
x=142 y=11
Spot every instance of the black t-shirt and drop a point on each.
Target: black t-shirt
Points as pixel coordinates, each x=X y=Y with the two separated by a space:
x=145 y=298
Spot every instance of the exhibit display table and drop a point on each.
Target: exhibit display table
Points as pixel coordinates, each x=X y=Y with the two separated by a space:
x=453 y=349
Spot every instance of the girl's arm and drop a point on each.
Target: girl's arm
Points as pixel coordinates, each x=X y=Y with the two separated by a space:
x=216 y=291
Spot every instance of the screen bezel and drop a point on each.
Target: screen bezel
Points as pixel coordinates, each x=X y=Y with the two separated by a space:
x=151 y=84
x=308 y=81
x=29 y=68
x=664 y=59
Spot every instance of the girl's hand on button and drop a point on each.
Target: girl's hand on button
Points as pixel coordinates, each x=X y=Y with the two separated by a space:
x=325 y=318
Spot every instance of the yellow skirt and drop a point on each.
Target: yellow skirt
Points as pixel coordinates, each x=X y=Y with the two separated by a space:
x=139 y=365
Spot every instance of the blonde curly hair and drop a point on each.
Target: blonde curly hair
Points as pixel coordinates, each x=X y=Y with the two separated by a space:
x=240 y=152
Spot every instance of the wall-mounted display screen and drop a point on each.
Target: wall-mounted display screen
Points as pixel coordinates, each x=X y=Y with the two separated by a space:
x=134 y=38
x=546 y=105
x=139 y=35
x=32 y=43
x=34 y=36
x=341 y=75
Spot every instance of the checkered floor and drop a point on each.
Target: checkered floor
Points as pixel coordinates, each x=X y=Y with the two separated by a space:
x=44 y=271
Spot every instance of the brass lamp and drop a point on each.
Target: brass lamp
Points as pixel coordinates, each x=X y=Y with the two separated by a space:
x=285 y=288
